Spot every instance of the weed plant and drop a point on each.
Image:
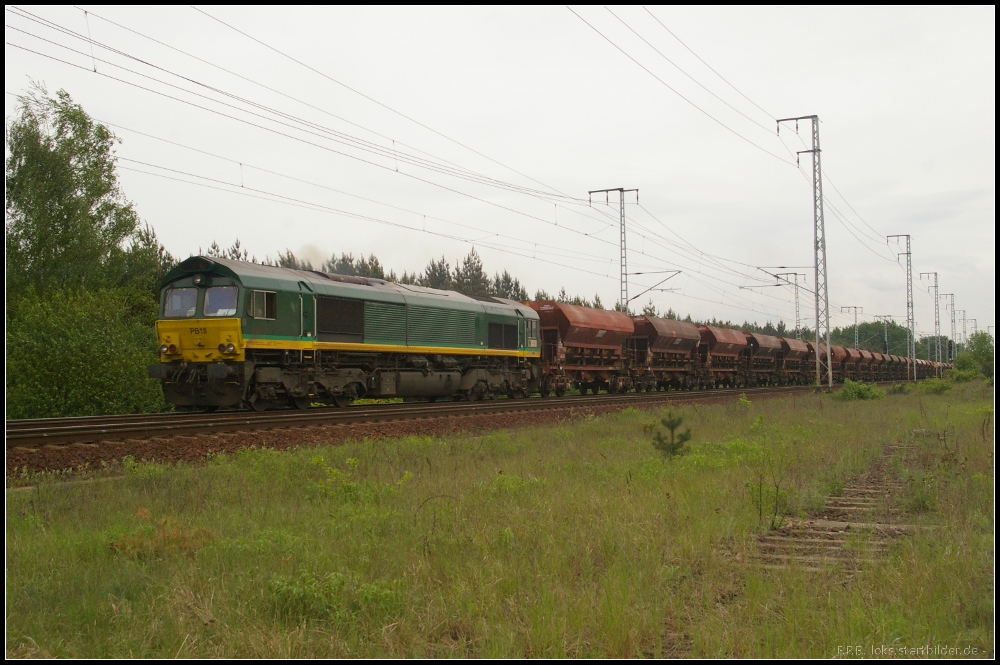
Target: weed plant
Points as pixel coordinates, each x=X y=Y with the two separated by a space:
x=934 y=386
x=858 y=390
x=566 y=540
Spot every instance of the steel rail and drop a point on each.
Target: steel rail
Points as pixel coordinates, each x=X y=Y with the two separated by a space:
x=64 y=431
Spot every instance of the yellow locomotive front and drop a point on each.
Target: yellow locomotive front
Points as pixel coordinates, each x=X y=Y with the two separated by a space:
x=201 y=344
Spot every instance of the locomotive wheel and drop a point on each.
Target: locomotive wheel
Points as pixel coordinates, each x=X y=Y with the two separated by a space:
x=259 y=405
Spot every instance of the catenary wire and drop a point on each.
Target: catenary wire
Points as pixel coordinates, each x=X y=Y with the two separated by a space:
x=674 y=90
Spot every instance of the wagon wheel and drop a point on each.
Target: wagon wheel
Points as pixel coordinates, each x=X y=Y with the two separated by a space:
x=342 y=401
x=543 y=392
x=301 y=402
x=560 y=391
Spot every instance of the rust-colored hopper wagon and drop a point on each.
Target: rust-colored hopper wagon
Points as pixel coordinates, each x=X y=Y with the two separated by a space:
x=852 y=364
x=762 y=359
x=665 y=353
x=864 y=371
x=584 y=347
x=838 y=360
x=880 y=365
x=719 y=353
x=798 y=366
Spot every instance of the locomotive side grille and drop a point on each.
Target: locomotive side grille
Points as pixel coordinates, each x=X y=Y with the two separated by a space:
x=385 y=323
x=340 y=319
x=431 y=326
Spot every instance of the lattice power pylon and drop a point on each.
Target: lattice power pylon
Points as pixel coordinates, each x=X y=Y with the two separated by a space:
x=911 y=325
x=856 y=310
x=623 y=259
x=951 y=309
x=819 y=247
x=937 y=316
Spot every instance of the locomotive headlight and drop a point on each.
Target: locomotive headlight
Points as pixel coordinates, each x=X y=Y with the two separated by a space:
x=197 y=280
x=163 y=348
x=230 y=348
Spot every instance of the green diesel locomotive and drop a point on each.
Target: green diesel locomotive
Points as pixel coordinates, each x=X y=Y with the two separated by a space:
x=234 y=334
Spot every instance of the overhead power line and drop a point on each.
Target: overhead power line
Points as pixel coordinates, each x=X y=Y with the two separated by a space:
x=281 y=199
x=769 y=115
x=287 y=135
x=312 y=127
x=678 y=67
x=561 y=251
x=676 y=92
x=369 y=98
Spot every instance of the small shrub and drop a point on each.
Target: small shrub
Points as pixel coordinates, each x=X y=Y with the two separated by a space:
x=743 y=401
x=934 y=386
x=858 y=390
x=675 y=442
x=962 y=375
x=898 y=389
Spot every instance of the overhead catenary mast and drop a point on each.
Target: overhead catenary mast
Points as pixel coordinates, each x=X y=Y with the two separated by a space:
x=885 y=319
x=796 y=275
x=937 y=315
x=819 y=247
x=951 y=309
x=965 y=339
x=623 y=282
x=911 y=345
x=856 y=309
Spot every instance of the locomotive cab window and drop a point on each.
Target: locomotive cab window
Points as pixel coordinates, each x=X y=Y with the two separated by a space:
x=220 y=301
x=531 y=326
x=263 y=305
x=180 y=302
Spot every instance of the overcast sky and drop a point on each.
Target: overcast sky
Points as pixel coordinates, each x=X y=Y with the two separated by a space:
x=417 y=132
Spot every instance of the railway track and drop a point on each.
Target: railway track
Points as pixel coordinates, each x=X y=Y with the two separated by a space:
x=34 y=433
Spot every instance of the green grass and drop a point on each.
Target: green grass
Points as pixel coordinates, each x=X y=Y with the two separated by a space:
x=568 y=540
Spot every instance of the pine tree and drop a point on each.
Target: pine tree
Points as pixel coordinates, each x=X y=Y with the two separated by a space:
x=470 y=278
x=437 y=275
x=674 y=443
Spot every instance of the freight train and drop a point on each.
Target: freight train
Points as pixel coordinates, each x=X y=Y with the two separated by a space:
x=234 y=334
